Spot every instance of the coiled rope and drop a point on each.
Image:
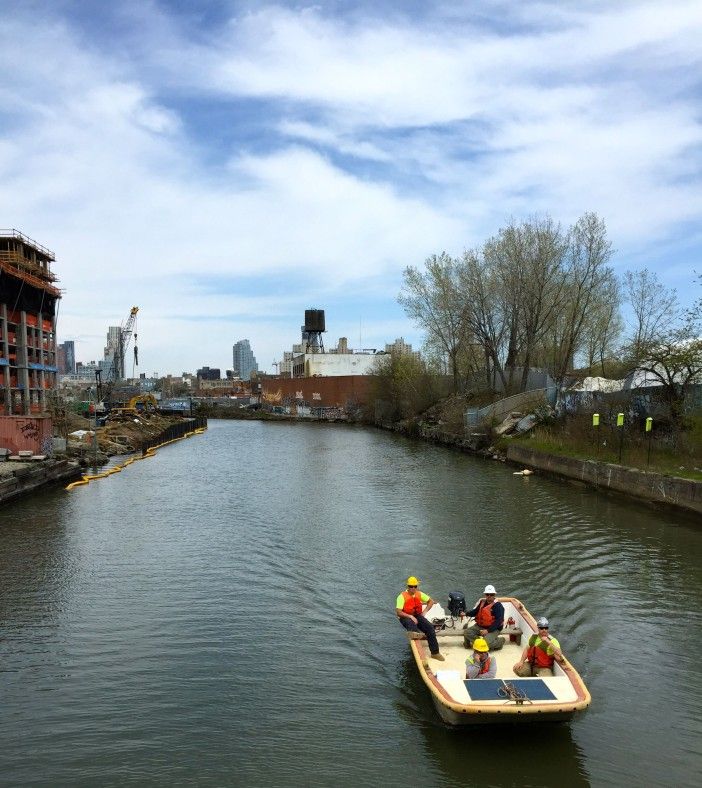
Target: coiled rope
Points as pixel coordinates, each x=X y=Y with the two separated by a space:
x=512 y=693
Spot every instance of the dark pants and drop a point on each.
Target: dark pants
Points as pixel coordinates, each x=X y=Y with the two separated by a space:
x=423 y=625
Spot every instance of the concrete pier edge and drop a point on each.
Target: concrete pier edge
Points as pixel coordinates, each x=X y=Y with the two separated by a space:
x=655 y=488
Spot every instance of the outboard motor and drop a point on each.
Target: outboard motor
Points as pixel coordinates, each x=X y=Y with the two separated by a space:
x=456 y=604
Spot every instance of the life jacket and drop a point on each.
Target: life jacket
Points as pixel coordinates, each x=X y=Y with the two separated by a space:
x=484 y=666
x=485 y=617
x=538 y=656
x=413 y=604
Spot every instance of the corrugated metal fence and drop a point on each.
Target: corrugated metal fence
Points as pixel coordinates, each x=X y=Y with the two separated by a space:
x=503 y=407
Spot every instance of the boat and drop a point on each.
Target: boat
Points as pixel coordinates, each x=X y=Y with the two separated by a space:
x=506 y=698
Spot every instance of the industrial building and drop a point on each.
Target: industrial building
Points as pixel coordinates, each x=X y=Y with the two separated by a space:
x=28 y=301
x=309 y=358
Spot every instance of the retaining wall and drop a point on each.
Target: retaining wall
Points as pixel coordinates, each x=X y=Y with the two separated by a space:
x=24 y=478
x=670 y=490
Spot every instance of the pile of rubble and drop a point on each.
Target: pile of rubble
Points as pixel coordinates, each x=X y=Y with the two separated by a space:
x=123 y=434
x=516 y=424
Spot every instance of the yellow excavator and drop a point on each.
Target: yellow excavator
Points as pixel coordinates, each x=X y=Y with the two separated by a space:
x=139 y=403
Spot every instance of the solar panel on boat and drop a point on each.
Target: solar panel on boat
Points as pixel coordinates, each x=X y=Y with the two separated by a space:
x=488 y=689
x=483 y=689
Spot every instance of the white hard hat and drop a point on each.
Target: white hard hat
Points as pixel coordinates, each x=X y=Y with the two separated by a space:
x=542 y=621
x=489 y=590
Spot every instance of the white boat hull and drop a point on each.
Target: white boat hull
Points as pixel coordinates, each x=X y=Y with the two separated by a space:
x=563 y=694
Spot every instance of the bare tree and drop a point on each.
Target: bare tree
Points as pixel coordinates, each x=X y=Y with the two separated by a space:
x=433 y=300
x=654 y=309
x=586 y=278
x=604 y=325
x=484 y=314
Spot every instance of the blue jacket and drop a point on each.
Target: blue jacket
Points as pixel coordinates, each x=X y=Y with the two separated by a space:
x=497 y=610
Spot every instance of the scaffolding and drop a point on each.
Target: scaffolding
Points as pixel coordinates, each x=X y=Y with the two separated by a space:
x=28 y=298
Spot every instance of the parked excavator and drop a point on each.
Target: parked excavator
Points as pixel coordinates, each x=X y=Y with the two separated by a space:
x=138 y=404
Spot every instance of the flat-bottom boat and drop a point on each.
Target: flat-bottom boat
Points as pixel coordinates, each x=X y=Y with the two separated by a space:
x=507 y=698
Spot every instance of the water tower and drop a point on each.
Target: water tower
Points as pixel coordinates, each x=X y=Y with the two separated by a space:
x=313 y=329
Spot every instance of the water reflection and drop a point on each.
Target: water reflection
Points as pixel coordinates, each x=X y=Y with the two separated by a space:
x=537 y=754
x=231 y=602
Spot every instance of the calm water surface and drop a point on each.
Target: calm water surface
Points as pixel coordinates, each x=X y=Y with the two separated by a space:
x=222 y=614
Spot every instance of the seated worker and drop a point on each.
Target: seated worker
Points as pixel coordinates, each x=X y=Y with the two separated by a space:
x=489 y=618
x=408 y=608
x=539 y=655
x=481 y=665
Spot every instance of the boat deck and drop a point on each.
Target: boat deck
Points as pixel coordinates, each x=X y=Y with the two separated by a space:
x=452 y=672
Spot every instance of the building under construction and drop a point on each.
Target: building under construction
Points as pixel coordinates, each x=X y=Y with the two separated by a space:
x=28 y=305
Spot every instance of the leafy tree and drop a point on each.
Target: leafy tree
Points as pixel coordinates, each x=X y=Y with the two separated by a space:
x=402 y=387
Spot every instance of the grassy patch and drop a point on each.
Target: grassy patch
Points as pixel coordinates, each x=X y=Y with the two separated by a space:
x=577 y=438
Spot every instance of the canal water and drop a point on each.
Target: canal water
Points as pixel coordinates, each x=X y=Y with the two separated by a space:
x=222 y=614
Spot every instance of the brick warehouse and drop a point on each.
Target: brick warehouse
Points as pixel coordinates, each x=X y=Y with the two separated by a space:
x=28 y=358
x=344 y=392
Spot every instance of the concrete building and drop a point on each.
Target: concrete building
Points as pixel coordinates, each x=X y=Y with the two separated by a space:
x=244 y=360
x=28 y=299
x=309 y=365
x=401 y=348
x=209 y=374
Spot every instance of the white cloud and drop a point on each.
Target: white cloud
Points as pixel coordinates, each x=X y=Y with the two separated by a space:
x=382 y=142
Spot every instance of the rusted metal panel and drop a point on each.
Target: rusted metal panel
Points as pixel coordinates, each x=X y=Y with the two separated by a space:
x=20 y=433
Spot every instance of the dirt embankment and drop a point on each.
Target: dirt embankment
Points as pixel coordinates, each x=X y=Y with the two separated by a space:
x=122 y=434
x=444 y=423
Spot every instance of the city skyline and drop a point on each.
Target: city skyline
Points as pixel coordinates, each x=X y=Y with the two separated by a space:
x=225 y=167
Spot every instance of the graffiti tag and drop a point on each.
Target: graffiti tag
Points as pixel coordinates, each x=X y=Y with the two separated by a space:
x=30 y=430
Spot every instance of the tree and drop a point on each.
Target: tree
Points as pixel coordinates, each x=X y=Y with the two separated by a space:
x=433 y=300
x=587 y=280
x=604 y=326
x=653 y=307
x=402 y=387
x=674 y=359
x=666 y=346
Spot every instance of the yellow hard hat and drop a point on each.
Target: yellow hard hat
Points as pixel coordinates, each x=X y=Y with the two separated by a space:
x=412 y=581
x=480 y=644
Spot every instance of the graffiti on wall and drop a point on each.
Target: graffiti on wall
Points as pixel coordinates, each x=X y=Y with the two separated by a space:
x=29 y=429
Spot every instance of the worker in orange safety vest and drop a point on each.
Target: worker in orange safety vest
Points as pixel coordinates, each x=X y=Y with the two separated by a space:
x=408 y=608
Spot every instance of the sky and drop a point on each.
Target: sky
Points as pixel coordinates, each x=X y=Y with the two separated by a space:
x=226 y=165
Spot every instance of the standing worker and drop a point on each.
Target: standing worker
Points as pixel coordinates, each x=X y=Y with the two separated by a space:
x=489 y=618
x=408 y=609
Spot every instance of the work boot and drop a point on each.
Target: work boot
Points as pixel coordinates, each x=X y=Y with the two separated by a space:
x=415 y=635
x=438 y=656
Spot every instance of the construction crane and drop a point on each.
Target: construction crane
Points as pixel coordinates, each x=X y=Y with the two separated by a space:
x=116 y=371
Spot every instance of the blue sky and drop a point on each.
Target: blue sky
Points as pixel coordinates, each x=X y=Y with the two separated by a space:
x=226 y=165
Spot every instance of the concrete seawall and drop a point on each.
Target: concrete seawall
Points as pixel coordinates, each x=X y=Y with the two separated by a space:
x=670 y=490
x=25 y=478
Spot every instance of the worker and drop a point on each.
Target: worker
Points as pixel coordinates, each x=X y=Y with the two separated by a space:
x=489 y=617
x=408 y=609
x=481 y=665
x=541 y=652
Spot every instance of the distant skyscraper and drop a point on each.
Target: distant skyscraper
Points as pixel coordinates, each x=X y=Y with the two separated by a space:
x=67 y=358
x=244 y=360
